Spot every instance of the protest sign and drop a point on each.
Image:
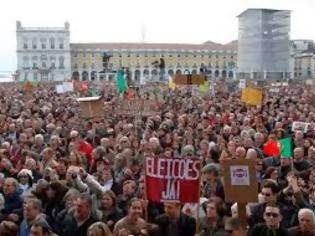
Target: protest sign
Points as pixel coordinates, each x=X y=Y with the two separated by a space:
x=60 y=89
x=239 y=178
x=91 y=107
x=300 y=126
x=242 y=84
x=67 y=86
x=172 y=179
x=252 y=96
x=189 y=79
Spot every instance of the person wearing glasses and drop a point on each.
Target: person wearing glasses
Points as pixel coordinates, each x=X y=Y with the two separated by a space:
x=272 y=218
x=269 y=194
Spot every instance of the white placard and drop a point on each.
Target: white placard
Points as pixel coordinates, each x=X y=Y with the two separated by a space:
x=67 y=86
x=239 y=175
x=242 y=84
x=285 y=84
x=60 y=89
x=300 y=126
x=309 y=82
x=274 y=90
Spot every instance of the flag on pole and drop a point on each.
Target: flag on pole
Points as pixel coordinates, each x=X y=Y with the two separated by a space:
x=272 y=148
x=204 y=88
x=286 y=147
x=171 y=83
x=121 y=83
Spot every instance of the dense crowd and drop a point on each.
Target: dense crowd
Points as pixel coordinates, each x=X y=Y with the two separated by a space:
x=61 y=174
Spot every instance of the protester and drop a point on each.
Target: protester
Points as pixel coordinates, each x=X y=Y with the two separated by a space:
x=72 y=171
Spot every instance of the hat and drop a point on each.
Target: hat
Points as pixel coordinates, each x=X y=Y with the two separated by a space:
x=26 y=172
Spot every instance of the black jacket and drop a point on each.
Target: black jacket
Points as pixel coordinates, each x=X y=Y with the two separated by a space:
x=263 y=230
x=186 y=225
x=70 y=226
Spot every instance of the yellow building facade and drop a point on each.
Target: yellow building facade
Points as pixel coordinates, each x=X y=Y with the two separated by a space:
x=214 y=60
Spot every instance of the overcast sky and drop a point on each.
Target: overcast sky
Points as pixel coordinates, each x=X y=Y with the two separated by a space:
x=164 y=21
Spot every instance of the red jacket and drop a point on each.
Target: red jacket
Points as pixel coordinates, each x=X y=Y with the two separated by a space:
x=87 y=149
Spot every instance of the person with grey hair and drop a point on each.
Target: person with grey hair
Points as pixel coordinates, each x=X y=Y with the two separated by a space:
x=39 y=144
x=12 y=197
x=306 y=225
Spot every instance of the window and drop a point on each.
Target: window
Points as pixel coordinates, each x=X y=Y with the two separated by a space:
x=61 y=46
x=43 y=64
x=128 y=55
x=120 y=55
x=84 y=65
x=53 y=65
x=52 y=43
x=93 y=65
x=202 y=56
x=92 y=54
x=153 y=55
x=137 y=55
x=178 y=55
x=75 y=66
x=209 y=56
x=231 y=57
x=83 y=54
x=34 y=65
x=75 y=55
x=43 y=45
x=162 y=55
x=34 y=43
x=170 y=55
x=25 y=61
x=25 y=43
x=195 y=56
x=61 y=62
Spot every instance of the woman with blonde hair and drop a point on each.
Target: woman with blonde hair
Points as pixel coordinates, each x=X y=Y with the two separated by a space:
x=99 y=229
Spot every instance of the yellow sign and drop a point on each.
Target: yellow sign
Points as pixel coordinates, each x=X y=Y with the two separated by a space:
x=252 y=96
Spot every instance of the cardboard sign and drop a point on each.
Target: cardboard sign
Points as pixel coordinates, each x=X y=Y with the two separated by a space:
x=300 y=126
x=172 y=179
x=242 y=84
x=252 y=96
x=240 y=181
x=185 y=80
x=91 y=107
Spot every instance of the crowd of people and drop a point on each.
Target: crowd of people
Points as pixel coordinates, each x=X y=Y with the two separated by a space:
x=62 y=174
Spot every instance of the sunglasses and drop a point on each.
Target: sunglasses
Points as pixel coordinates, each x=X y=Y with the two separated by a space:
x=266 y=194
x=271 y=214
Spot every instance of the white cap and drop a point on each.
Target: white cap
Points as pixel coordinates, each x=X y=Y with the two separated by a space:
x=26 y=172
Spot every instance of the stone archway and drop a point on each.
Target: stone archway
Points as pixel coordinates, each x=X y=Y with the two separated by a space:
x=146 y=75
x=224 y=74
x=170 y=73
x=216 y=73
x=178 y=72
x=93 y=75
x=85 y=76
x=231 y=74
x=154 y=75
x=76 y=75
x=137 y=75
x=194 y=72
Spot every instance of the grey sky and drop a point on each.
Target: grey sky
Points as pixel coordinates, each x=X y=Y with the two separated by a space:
x=181 y=21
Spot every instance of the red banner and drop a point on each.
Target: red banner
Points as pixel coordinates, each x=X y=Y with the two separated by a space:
x=172 y=179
